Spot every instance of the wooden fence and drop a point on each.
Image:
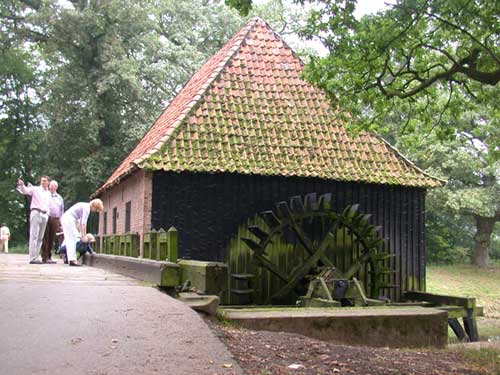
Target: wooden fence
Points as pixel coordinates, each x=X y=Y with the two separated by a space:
x=156 y=245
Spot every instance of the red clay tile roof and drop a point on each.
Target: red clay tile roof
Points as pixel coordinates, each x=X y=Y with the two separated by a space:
x=248 y=111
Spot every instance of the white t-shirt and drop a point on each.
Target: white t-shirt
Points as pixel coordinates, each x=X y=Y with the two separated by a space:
x=4 y=233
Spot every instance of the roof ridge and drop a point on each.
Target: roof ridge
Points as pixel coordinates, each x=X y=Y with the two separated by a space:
x=203 y=88
x=408 y=161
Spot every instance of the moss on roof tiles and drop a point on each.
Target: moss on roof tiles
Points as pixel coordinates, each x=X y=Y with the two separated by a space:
x=257 y=116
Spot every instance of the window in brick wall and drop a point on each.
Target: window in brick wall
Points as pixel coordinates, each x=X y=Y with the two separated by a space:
x=105 y=223
x=128 y=210
x=115 y=218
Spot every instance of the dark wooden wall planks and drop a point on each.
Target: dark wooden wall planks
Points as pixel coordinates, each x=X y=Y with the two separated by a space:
x=207 y=210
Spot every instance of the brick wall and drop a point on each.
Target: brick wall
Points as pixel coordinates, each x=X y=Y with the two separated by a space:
x=136 y=189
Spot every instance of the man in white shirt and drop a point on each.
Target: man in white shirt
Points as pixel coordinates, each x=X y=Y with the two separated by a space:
x=40 y=199
x=4 y=238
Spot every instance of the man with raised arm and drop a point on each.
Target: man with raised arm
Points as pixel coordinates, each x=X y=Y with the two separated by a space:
x=39 y=215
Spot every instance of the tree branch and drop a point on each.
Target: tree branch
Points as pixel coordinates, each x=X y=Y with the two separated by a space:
x=462 y=30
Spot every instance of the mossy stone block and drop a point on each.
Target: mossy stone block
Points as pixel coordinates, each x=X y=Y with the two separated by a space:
x=171 y=275
x=206 y=277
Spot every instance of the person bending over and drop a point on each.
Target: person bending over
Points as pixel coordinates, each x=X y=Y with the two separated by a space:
x=74 y=224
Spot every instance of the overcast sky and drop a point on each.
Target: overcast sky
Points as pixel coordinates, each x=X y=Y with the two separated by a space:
x=370 y=6
x=362 y=7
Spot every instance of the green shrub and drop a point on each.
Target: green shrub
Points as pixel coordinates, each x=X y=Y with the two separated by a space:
x=448 y=240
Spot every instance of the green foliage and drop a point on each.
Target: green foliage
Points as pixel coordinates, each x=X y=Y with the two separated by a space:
x=21 y=126
x=243 y=6
x=405 y=57
x=449 y=239
x=81 y=82
x=471 y=196
x=112 y=66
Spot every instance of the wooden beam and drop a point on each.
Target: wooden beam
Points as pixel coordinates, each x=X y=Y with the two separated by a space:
x=438 y=299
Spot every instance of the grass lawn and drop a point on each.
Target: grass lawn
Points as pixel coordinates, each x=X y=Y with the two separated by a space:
x=483 y=284
x=468 y=281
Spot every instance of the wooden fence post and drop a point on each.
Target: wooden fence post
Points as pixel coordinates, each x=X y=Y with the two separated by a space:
x=127 y=242
x=115 y=245
x=121 y=245
x=161 y=245
x=146 y=245
x=104 y=248
x=172 y=245
x=134 y=245
x=97 y=244
x=111 y=245
x=150 y=245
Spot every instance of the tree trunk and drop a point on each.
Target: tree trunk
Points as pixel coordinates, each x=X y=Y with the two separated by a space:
x=484 y=226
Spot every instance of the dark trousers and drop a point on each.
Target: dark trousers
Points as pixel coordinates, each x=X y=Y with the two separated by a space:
x=53 y=226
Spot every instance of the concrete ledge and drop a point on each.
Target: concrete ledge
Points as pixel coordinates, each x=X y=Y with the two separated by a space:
x=397 y=327
x=207 y=304
x=161 y=273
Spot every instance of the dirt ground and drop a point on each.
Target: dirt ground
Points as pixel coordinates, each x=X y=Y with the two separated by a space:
x=265 y=353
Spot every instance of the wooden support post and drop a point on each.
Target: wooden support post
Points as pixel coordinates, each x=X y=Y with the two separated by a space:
x=172 y=245
x=457 y=328
x=469 y=304
x=471 y=326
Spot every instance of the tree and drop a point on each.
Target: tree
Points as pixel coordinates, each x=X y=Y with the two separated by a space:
x=21 y=125
x=401 y=55
x=112 y=67
x=81 y=81
x=470 y=163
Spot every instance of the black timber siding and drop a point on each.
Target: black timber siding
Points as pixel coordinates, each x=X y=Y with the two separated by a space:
x=207 y=209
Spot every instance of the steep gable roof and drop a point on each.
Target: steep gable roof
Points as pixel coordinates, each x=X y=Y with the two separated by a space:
x=248 y=111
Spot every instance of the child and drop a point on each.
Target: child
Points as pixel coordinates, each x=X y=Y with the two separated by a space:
x=81 y=248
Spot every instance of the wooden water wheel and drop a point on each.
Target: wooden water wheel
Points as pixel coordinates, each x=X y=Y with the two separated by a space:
x=311 y=225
